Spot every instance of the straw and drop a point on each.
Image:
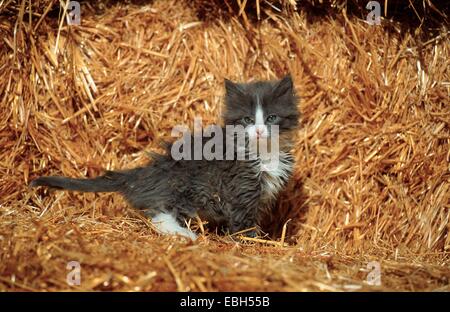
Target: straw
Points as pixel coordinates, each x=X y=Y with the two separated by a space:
x=371 y=182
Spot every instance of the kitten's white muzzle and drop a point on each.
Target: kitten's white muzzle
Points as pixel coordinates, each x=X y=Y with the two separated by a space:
x=257 y=131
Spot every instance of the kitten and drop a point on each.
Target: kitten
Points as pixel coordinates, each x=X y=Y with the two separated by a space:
x=257 y=106
x=233 y=194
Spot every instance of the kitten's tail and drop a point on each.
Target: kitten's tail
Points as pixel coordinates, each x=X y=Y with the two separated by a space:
x=111 y=181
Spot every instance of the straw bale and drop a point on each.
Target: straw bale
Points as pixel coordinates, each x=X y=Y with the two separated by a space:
x=372 y=176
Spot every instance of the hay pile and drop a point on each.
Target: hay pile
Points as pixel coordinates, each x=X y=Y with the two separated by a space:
x=372 y=180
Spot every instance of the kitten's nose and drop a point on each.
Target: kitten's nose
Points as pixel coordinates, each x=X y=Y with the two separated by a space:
x=259 y=132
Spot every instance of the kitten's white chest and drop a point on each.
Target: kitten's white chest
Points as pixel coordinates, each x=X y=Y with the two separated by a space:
x=274 y=177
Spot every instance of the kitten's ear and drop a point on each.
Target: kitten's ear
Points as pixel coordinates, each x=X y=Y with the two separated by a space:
x=233 y=88
x=284 y=86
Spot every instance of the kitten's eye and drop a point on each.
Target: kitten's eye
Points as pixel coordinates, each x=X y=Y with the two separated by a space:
x=271 y=118
x=248 y=120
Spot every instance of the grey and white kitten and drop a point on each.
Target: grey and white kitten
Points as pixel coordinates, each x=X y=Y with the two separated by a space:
x=232 y=194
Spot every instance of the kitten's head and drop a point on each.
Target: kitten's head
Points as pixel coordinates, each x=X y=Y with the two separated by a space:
x=259 y=105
